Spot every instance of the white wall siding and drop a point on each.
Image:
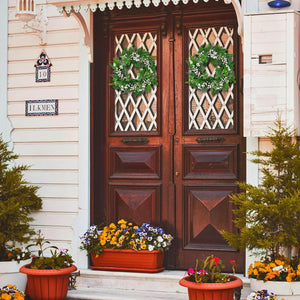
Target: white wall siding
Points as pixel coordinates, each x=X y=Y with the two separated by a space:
x=270 y=88
x=49 y=144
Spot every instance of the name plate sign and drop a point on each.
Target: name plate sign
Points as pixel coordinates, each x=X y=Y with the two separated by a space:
x=41 y=107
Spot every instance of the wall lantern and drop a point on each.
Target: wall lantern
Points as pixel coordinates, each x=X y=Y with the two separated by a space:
x=27 y=12
x=279 y=3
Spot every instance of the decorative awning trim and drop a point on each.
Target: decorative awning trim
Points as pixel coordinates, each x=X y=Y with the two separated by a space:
x=111 y=4
x=75 y=8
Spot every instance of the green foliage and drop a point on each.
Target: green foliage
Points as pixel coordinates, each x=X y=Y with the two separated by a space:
x=58 y=259
x=268 y=216
x=140 y=61
x=18 y=200
x=208 y=271
x=224 y=69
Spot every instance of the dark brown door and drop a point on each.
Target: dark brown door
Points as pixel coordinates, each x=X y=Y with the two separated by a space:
x=170 y=156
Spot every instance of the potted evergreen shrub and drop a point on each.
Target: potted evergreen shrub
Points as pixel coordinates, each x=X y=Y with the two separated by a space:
x=268 y=216
x=123 y=246
x=48 y=276
x=206 y=282
x=18 y=199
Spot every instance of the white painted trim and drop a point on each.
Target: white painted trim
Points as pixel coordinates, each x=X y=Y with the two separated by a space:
x=292 y=102
x=247 y=45
x=252 y=177
x=5 y=124
x=82 y=220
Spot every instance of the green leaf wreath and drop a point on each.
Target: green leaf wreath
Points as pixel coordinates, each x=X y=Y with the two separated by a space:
x=224 y=69
x=141 y=61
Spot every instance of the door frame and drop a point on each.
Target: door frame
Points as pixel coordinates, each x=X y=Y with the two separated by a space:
x=102 y=126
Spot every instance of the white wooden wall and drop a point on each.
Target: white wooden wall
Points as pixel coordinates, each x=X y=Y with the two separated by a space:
x=272 y=88
x=48 y=143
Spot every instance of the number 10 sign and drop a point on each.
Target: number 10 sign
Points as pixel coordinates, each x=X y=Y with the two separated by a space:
x=42 y=68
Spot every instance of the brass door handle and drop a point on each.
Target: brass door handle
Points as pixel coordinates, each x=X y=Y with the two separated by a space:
x=177 y=174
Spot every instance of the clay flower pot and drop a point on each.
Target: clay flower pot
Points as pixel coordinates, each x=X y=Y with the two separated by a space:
x=47 y=284
x=129 y=260
x=211 y=291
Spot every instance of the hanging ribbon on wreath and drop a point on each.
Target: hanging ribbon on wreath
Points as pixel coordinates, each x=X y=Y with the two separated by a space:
x=224 y=69
x=141 y=61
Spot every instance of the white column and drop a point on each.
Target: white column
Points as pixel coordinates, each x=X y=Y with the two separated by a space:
x=5 y=125
x=82 y=220
x=252 y=177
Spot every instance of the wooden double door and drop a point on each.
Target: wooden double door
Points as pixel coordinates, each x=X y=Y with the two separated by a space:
x=170 y=156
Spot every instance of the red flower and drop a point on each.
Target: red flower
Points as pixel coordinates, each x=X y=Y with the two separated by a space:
x=216 y=259
x=233 y=261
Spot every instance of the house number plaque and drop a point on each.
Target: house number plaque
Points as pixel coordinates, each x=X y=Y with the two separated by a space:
x=43 y=68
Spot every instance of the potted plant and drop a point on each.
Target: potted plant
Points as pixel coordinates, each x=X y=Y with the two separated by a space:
x=48 y=276
x=18 y=200
x=124 y=246
x=11 y=292
x=206 y=282
x=268 y=216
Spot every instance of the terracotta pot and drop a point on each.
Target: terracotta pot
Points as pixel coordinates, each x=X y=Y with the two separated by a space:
x=129 y=260
x=282 y=289
x=47 y=284
x=211 y=291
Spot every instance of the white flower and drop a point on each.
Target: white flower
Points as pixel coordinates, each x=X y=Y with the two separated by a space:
x=150 y=248
x=160 y=239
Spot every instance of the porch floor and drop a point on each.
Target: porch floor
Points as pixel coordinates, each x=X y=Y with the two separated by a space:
x=109 y=285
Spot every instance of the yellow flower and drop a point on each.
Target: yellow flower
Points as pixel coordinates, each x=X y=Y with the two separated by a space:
x=122 y=221
x=288 y=279
x=144 y=246
x=112 y=226
x=6 y=297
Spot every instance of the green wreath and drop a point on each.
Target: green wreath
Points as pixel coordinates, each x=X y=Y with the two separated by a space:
x=143 y=62
x=224 y=69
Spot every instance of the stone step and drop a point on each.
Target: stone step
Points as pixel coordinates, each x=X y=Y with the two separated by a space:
x=110 y=285
x=120 y=294
x=163 y=281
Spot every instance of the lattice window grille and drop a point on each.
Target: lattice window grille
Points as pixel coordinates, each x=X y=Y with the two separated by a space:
x=136 y=113
x=207 y=111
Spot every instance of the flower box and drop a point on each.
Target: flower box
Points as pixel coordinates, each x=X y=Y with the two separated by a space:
x=282 y=289
x=9 y=273
x=129 y=260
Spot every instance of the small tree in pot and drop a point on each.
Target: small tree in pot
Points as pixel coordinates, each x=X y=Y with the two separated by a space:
x=268 y=216
x=18 y=200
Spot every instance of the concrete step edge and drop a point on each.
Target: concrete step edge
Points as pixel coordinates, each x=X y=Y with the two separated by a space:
x=121 y=294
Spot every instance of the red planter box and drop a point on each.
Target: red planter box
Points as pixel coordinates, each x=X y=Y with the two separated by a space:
x=129 y=260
